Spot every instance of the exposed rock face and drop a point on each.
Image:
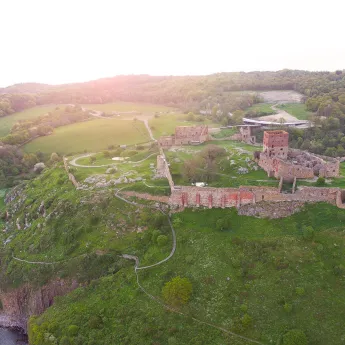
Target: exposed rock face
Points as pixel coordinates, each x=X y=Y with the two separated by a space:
x=271 y=209
x=20 y=304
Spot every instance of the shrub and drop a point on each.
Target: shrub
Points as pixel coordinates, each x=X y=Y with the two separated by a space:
x=92 y=159
x=106 y=154
x=295 y=337
x=95 y=322
x=64 y=341
x=244 y=307
x=177 y=291
x=162 y=240
x=177 y=222
x=308 y=233
x=321 y=181
x=246 y=320
x=155 y=234
x=73 y=330
x=300 y=291
x=288 y=307
x=189 y=259
x=223 y=223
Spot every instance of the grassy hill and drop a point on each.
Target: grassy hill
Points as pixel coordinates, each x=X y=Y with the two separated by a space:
x=257 y=277
x=7 y=122
x=92 y=136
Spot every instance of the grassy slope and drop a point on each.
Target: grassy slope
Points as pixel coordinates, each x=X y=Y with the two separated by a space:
x=7 y=122
x=296 y=109
x=93 y=136
x=78 y=225
x=253 y=268
x=261 y=107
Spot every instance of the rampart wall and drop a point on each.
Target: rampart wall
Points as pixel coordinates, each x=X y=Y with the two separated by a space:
x=192 y=196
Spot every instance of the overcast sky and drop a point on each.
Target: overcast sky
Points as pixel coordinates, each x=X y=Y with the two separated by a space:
x=59 y=41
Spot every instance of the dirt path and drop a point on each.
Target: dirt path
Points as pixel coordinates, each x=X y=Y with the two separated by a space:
x=156 y=299
x=281 y=114
x=75 y=164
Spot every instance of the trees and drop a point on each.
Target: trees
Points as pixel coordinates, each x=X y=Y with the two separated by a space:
x=177 y=291
x=295 y=337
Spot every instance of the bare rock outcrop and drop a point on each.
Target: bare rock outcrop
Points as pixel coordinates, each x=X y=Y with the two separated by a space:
x=19 y=304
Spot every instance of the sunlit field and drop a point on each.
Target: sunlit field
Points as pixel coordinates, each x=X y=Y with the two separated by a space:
x=91 y=136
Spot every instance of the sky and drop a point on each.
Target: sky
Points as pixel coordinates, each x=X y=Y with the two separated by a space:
x=61 y=41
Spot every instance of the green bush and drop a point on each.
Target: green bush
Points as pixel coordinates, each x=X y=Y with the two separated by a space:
x=308 y=233
x=295 y=337
x=288 y=307
x=321 y=181
x=73 y=330
x=162 y=240
x=64 y=341
x=244 y=308
x=177 y=291
x=300 y=291
x=246 y=320
x=95 y=322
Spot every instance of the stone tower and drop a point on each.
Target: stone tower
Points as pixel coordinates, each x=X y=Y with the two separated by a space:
x=276 y=144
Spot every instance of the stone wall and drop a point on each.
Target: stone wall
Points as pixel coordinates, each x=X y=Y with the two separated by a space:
x=70 y=176
x=210 y=197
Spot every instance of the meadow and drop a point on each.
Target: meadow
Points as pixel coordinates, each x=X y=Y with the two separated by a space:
x=296 y=109
x=7 y=122
x=90 y=136
x=257 y=278
x=239 y=155
x=165 y=124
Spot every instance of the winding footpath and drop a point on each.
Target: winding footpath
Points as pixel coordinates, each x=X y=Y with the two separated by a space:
x=156 y=299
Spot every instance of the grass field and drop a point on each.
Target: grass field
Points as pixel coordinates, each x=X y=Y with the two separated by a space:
x=7 y=122
x=92 y=136
x=258 y=278
x=238 y=155
x=260 y=109
x=165 y=124
x=296 y=109
x=128 y=106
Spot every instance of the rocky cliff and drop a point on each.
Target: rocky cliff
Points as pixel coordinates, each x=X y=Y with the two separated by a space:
x=19 y=304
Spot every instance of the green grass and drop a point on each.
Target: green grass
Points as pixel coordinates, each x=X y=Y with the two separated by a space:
x=128 y=106
x=7 y=122
x=228 y=175
x=296 y=109
x=261 y=108
x=165 y=124
x=254 y=267
x=93 y=136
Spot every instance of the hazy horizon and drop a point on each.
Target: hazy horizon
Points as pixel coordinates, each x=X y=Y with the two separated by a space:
x=63 y=42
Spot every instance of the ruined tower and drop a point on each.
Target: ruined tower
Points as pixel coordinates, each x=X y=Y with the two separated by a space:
x=276 y=144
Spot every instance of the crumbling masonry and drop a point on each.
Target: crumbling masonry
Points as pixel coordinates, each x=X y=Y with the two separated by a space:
x=185 y=135
x=281 y=162
x=275 y=147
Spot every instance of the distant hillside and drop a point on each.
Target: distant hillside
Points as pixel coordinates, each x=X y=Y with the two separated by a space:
x=26 y=88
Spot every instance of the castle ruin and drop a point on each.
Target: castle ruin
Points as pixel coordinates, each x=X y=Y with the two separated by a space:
x=281 y=162
x=278 y=161
x=185 y=135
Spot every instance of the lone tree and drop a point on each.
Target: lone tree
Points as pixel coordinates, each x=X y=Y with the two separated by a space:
x=177 y=291
x=295 y=337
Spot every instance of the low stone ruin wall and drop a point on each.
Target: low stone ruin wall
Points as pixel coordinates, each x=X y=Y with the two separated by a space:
x=210 y=197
